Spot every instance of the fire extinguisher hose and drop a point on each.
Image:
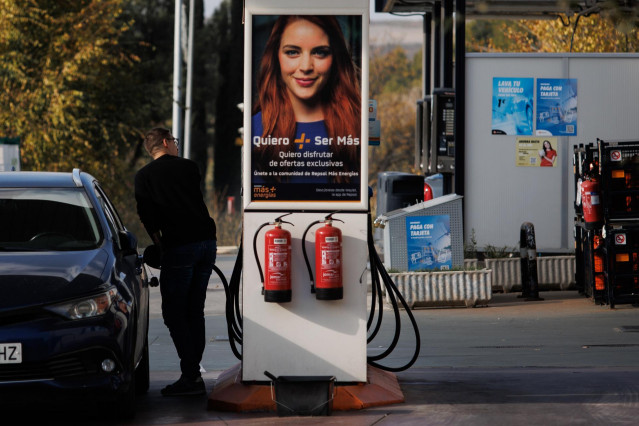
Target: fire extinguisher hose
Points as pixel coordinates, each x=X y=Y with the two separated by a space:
x=257 y=257
x=377 y=271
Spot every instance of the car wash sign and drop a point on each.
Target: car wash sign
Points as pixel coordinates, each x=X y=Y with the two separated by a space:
x=512 y=111
x=428 y=244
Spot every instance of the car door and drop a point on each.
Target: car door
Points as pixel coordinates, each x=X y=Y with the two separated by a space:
x=130 y=268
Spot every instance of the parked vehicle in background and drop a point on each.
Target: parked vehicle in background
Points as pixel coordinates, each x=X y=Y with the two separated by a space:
x=74 y=295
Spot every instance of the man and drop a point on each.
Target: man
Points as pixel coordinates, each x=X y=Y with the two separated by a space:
x=172 y=210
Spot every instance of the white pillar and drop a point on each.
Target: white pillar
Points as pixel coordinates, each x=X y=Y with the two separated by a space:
x=186 y=151
x=177 y=70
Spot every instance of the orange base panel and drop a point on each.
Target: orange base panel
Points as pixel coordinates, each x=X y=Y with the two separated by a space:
x=229 y=394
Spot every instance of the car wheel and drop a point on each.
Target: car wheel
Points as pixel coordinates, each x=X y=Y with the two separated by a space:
x=142 y=374
x=125 y=404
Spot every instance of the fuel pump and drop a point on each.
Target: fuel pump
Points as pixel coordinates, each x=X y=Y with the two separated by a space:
x=276 y=279
x=328 y=260
x=441 y=149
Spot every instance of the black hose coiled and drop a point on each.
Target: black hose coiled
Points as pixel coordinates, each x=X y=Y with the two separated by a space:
x=378 y=271
x=233 y=312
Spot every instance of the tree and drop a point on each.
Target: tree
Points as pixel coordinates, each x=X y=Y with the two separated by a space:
x=150 y=39
x=67 y=90
x=395 y=82
x=598 y=33
x=65 y=85
x=391 y=71
x=227 y=39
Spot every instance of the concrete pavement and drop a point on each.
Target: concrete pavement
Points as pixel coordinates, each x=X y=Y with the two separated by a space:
x=563 y=360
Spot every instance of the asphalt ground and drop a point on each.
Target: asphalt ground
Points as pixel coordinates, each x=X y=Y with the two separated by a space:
x=563 y=360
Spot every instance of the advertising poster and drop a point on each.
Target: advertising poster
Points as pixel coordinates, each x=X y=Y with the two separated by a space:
x=556 y=107
x=537 y=152
x=512 y=106
x=306 y=118
x=428 y=243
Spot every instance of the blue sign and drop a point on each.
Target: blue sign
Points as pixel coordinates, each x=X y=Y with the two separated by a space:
x=428 y=243
x=513 y=106
x=556 y=107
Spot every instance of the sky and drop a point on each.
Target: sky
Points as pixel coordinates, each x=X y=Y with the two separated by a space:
x=211 y=5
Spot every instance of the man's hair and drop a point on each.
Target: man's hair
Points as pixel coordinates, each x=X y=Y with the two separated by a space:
x=154 y=138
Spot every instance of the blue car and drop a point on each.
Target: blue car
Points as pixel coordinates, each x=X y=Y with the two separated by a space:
x=74 y=294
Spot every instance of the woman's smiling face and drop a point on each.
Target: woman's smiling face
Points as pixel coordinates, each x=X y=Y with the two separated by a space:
x=305 y=59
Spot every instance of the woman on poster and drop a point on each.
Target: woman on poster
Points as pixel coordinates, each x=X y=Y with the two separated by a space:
x=307 y=116
x=547 y=155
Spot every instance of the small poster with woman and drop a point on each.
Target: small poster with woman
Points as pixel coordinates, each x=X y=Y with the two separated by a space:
x=306 y=113
x=536 y=152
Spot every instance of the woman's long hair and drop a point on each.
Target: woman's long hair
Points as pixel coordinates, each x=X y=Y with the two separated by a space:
x=544 y=146
x=340 y=98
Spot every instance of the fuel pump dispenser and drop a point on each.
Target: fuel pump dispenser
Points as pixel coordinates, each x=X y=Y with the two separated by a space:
x=441 y=149
x=304 y=174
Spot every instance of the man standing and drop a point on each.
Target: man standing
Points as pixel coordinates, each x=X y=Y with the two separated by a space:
x=172 y=210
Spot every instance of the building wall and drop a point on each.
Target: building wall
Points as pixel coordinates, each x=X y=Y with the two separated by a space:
x=499 y=196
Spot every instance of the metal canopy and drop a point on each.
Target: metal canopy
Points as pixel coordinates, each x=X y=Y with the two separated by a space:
x=540 y=9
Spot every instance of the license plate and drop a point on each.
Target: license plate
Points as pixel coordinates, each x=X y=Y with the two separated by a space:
x=10 y=353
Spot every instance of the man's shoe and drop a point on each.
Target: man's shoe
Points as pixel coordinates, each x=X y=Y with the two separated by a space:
x=185 y=387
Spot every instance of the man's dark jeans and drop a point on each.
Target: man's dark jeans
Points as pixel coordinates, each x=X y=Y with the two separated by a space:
x=183 y=280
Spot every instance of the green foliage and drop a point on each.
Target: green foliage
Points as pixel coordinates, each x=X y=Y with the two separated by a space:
x=82 y=80
x=605 y=32
x=470 y=247
x=229 y=226
x=226 y=44
x=393 y=72
x=150 y=39
x=395 y=82
x=67 y=88
x=488 y=35
x=493 y=252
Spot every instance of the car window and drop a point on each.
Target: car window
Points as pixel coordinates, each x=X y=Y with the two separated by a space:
x=35 y=219
x=110 y=208
x=112 y=218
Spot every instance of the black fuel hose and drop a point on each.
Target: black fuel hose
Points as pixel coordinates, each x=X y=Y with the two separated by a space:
x=232 y=307
x=379 y=275
x=379 y=271
x=376 y=298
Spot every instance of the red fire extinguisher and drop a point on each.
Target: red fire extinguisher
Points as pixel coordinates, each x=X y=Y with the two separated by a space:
x=276 y=280
x=428 y=192
x=328 y=260
x=591 y=203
